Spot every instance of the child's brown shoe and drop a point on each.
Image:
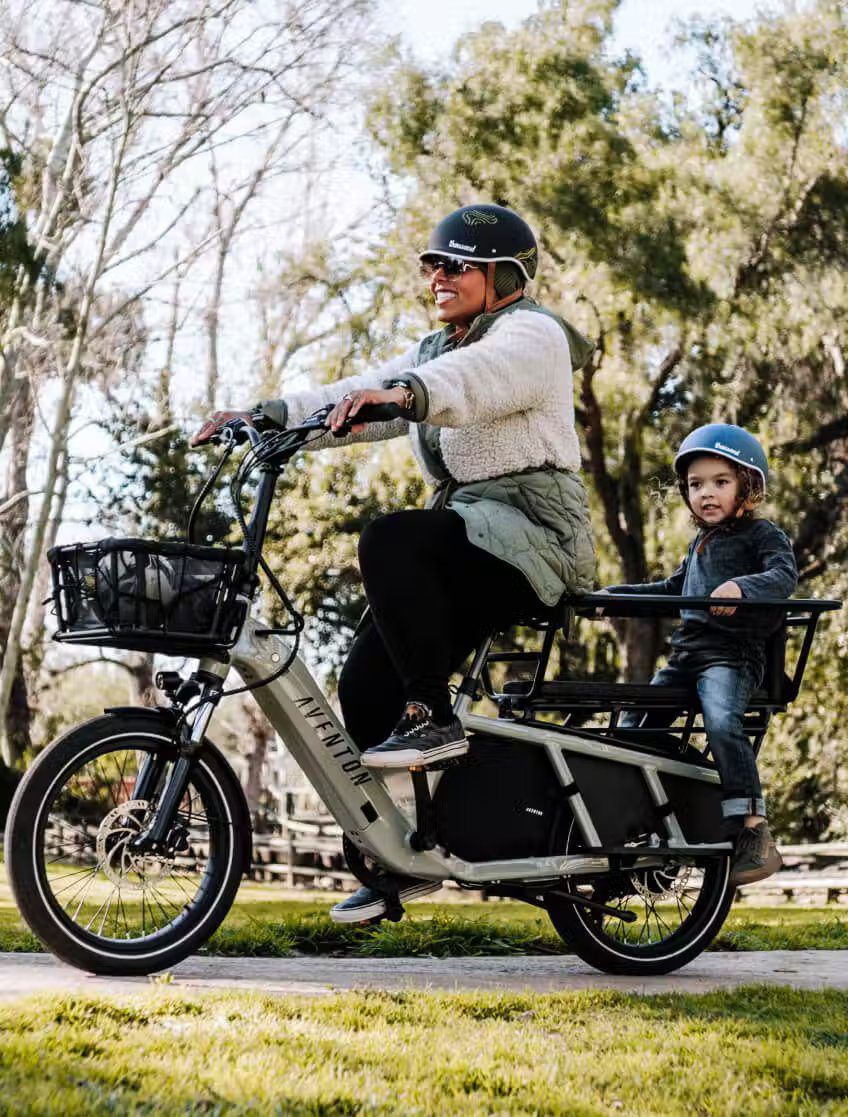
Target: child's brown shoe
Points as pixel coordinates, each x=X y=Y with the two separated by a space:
x=756 y=856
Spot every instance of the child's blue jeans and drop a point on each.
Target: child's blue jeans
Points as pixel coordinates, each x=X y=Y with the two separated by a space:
x=724 y=692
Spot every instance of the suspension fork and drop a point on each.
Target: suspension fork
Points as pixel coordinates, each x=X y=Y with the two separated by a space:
x=149 y=777
x=152 y=839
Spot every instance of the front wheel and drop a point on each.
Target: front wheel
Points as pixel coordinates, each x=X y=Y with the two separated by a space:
x=92 y=899
x=679 y=904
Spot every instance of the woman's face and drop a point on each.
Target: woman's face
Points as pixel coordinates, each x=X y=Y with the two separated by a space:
x=458 y=298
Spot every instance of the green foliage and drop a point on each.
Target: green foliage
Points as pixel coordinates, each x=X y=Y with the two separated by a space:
x=15 y=249
x=153 y=486
x=701 y=239
x=314 y=531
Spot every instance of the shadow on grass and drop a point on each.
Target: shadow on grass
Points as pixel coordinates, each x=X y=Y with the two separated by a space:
x=441 y=936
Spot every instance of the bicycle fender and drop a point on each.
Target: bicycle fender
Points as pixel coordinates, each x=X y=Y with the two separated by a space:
x=165 y=714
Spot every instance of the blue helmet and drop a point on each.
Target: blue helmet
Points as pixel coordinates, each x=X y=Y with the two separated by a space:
x=726 y=441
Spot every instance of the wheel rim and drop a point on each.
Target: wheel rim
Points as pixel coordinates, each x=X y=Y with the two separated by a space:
x=95 y=885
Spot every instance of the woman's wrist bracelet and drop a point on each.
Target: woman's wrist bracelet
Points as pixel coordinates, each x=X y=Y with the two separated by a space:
x=408 y=404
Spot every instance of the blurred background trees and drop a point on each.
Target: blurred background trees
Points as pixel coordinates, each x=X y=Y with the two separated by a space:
x=701 y=237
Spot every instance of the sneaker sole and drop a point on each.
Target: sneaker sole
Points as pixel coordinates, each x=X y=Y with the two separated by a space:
x=371 y=911
x=407 y=758
x=751 y=876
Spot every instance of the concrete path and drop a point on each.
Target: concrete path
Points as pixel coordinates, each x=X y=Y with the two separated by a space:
x=22 y=974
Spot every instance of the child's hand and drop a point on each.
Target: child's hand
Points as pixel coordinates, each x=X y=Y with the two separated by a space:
x=726 y=589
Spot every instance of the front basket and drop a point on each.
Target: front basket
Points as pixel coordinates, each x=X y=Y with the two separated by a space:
x=145 y=595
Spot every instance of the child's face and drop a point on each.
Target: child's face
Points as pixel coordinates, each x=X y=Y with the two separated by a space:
x=713 y=488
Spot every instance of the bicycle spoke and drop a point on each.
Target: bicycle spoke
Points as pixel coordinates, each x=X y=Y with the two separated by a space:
x=104 y=907
x=85 y=891
x=88 y=874
x=176 y=909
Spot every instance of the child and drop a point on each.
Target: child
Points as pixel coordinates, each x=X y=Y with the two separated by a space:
x=722 y=473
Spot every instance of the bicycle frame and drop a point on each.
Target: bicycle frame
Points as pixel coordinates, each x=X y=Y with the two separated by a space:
x=369 y=807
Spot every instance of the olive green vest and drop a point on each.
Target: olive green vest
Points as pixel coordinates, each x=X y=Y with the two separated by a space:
x=536 y=520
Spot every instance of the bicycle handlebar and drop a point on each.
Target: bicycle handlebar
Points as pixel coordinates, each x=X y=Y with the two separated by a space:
x=236 y=431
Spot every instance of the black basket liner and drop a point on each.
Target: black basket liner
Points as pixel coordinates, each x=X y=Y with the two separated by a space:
x=149 y=595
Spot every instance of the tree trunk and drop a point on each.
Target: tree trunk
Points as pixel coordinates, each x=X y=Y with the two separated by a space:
x=643 y=642
x=141 y=672
x=17 y=715
x=261 y=735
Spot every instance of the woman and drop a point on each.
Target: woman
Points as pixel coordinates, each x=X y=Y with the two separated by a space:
x=488 y=403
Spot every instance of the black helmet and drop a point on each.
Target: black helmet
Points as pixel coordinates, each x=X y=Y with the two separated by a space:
x=485 y=234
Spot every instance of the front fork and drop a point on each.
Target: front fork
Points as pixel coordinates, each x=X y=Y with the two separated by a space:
x=153 y=838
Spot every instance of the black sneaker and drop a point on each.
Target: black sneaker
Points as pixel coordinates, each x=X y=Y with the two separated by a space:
x=367 y=903
x=417 y=740
x=756 y=856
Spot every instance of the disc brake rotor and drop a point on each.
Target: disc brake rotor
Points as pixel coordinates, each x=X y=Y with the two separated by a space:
x=125 y=867
x=657 y=886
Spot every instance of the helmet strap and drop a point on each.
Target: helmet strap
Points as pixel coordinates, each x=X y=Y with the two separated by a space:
x=492 y=302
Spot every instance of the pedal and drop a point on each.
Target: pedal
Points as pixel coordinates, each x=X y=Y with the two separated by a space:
x=394 y=908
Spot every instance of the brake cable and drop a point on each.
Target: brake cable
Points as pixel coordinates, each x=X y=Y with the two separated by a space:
x=248 y=463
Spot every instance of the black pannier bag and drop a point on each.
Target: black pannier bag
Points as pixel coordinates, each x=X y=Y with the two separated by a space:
x=144 y=595
x=503 y=801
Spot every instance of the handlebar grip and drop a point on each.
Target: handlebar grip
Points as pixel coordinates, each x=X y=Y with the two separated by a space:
x=378 y=413
x=371 y=413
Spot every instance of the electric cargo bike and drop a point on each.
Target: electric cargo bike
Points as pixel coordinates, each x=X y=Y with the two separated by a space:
x=129 y=835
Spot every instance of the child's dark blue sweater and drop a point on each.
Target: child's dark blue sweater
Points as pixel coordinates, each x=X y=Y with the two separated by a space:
x=758 y=557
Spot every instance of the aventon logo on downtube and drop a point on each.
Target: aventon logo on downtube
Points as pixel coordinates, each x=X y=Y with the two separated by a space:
x=334 y=741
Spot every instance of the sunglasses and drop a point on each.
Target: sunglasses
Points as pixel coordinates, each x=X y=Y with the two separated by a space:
x=450 y=265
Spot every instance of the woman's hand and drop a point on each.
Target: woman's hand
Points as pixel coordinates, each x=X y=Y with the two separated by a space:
x=348 y=406
x=726 y=589
x=214 y=423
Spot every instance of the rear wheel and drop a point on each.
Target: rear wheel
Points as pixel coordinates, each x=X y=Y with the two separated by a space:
x=91 y=898
x=679 y=904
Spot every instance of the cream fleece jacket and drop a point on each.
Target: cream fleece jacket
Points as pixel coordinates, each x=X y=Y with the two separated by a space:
x=504 y=403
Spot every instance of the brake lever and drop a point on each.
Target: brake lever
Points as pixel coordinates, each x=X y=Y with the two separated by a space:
x=234 y=432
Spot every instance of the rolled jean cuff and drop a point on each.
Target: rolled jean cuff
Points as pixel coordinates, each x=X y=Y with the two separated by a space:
x=731 y=808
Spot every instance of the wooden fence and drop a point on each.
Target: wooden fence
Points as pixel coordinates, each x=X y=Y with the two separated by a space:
x=308 y=854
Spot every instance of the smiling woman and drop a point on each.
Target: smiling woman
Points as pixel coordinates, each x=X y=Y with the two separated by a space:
x=488 y=403
x=458 y=291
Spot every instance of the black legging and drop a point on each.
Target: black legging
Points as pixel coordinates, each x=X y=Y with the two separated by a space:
x=433 y=597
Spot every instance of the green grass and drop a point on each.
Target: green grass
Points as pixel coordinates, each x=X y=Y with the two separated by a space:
x=755 y=1051
x=262 y=923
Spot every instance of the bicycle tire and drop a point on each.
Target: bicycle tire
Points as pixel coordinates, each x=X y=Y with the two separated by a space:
x=584 y=929
x=32 y=872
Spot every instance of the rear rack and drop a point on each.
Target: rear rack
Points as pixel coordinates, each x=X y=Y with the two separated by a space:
x=579 y=699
